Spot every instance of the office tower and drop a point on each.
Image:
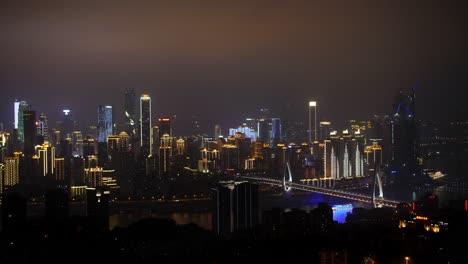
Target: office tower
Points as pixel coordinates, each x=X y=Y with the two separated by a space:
x=97 y=207
x=327 y=162
x=217 y=131
x=325 y=129
x=93 y=176
x=105 y=125
x=264 y=130
x=235 y=206
x=165 y=126
x=29 y=122
x=312 y=106
x=230 y=157
x=346 y=154
x=130 y=112
x=56 y=206
x=77 y=143
x=405 y=139
x=275 y=131
x=89 y=146
x=374 y=158
x=180 y=147
x=67 y=123
x=77 y=171
x=11 y=171
x=91 y=162
x=113 y=144
x=60 y=169
x=14 y=212
x=124 y=140
x=19 y=108
x=146 y=137
x=165 y=154
x=42 y=128
x=46 y=154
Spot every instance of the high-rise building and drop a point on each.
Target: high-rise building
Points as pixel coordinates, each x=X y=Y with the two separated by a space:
x=165 y=126
x=77 y=143
x=264 y=130
x=30 y=130
x=165 y=153
x=312 y=106
x=275 y=131
x=93 y=176
x=235 y=206
x=217 y=131
x=105 y=125
x=46 y=154
x=146 y=137
x=405 y=140
x=130 y=112
x=67 y=123
x=43 y=128
x=19 y=108
x=60 y=169
x=11 y=171
x=325 y=129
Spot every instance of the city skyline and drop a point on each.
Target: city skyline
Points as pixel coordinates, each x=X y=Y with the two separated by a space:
x=265 y=55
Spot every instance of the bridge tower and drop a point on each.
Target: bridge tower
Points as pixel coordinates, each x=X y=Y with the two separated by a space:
x=377 y=182
x=287 y=170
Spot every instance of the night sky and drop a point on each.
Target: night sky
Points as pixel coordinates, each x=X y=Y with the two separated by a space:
x=224 y=60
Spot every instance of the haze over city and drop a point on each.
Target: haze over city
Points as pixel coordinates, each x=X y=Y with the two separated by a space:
x=331 y=131
x=223 y=61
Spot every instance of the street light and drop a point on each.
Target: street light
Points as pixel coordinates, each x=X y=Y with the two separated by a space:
x=406 y=259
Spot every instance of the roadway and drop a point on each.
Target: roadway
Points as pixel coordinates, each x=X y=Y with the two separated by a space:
x=326 y=191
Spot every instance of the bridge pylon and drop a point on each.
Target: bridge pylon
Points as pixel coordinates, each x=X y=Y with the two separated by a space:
x=287 y=170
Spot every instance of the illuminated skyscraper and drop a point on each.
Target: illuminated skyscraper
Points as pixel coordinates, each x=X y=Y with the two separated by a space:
x=59 y=169
x=165 y=153
x=130 y=112
x=105 y=123
x=19 y=108
x=77 y=144
x=146 y=132
x=275 y=131
x=11 y=171
x=325 y=128
x=67 y=125
x=42 y=128
x=46 y=154
x=165 y=126
x=312 y=105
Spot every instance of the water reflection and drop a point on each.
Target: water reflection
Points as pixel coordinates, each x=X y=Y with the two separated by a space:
x=340 y=211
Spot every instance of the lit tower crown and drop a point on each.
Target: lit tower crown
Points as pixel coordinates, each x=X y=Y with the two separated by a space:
x=146 y=137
